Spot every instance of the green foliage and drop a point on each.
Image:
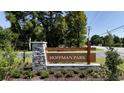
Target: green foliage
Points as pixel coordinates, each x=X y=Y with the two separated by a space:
x=123 y=42
x=64 y=71
x=76 y=71
x=75 y=34
x=58 y=74
x=95 y=74
x=6 y=38
x=89 y=71
x=38 y=73
x=51 y=71
x=16 y=73
x=117 y=41
x=82 y=75
x=44 y=74
x=108 y=40
x=96 y=40
x=112 y=62
x=69 y=74
x=2 y=73
x=7 y=57
x=55 y=27
x=28 y=74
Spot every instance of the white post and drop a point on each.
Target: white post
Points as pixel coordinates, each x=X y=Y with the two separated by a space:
x=30 y=43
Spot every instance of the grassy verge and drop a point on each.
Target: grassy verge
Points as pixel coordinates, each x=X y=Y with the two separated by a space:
x=102 y=61
x=97 y=49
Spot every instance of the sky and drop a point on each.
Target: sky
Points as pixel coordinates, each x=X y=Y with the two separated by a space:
x=103 y=21
x=3 y=22
x=100 y=22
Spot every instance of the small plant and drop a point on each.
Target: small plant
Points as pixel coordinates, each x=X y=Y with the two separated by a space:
x=69 y=74
x=76 y=71
x=51 y=72
x=64 y=71
x=16 y=73
x=102 y=72
x=82 y=75
x=2 y=74
x=89 y=71
x=95 y=75
x=58 y=74
x=38 y=73
x=44 y=74
x=27 y=74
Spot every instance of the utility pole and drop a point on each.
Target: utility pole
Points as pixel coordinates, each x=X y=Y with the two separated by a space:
x=88 y=46
x=89 y=29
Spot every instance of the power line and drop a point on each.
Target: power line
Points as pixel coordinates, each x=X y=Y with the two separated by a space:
x=113 y=30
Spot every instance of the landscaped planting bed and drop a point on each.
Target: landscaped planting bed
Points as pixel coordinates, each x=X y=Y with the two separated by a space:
x=25 y=73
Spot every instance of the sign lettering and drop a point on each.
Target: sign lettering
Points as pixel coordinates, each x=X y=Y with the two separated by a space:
x=69 y=57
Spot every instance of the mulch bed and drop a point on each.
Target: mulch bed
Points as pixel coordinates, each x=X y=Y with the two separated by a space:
x=52 y=78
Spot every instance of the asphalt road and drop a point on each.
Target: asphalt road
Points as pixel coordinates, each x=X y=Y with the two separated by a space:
x=101 y=54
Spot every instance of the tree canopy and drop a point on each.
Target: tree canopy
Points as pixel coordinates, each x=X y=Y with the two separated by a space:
x=55 y=27
x=96 y=40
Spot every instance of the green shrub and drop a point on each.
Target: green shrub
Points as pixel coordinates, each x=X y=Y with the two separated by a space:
x=120 y=72
x=82 y=75
x=7 y=60
x=51 y=72
x=95 y=75
x=63 y=71
x=44 y=74
x=2 y=74
x=69 y=74
x=89 y=71
x=58 y=74
x=76 y=71
x=112 y=62
x=27 y=74
x=102 y=72
x=38 y=73
x=16 y=73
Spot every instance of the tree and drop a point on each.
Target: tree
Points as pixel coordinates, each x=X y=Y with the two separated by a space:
x=25 y=24
x=123 y=42
x=6 y=38
x=96 y=40
x=117 y=41
x=75 y=34
x=54 y=27
x=108 y=40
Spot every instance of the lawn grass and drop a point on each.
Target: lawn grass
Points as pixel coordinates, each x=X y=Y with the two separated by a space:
x=26 y=60
x=100 y=61
x=98 y=49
